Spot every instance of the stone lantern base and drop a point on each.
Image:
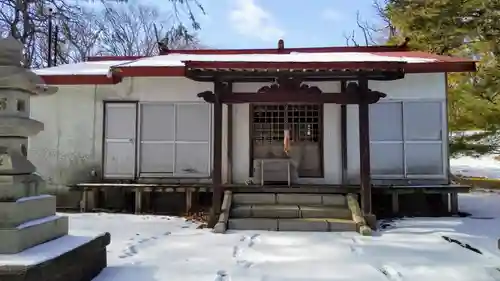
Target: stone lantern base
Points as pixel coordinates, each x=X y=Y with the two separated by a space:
x=34 y=240
x=69 y=258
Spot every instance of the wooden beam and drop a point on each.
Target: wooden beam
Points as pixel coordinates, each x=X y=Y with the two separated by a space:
x=296 y=93
x=219 y=88
x=269 y=78
x=364 y=150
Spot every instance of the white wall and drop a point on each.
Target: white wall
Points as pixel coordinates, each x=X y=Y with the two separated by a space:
x=412 y=87
x=71 y=145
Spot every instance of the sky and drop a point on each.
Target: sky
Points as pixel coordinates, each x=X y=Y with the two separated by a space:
x=261 y=23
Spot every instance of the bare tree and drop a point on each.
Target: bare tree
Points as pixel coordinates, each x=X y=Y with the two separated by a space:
x=135 y=29
x=368 y=32
x=382 y=13
x=28 y=20
x=84 y=32
x=82 y=38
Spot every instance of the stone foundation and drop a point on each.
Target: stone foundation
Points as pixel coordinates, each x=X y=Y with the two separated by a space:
x=83 y=263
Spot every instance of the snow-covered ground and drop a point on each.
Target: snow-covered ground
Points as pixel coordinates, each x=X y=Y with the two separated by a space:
x=157 y=248
x=485 y=166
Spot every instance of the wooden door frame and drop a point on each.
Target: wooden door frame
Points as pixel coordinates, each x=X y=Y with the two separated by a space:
x=321 y=140
x=104 y=129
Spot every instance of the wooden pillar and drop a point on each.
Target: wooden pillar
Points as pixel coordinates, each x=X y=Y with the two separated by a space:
x=454 y=203
x=189 y=200
x=364 y=150
x=343 y=136
x=395 y=202
x=230 y=139
x=217 y=154
x=138 y=201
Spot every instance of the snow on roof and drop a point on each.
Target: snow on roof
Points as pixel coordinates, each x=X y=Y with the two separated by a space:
x=177 y=60
x=81 y=68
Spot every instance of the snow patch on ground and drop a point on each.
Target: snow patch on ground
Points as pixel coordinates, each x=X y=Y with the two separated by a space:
x=157 y=248
x=484 y=166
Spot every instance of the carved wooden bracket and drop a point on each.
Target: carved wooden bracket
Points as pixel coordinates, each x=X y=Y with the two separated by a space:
x=287 y=85
x=369 y=97
x=292 y=90
x=207 y=96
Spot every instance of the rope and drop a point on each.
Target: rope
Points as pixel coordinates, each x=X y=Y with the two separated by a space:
x=286 y=133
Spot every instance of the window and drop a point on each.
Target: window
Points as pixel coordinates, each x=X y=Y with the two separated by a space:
x=423 y=138
x=386 y=138
x=3 y=103
x=407 y=139
x=175 y=139
x=24 y=150
x=21 y=105
x=304 y=122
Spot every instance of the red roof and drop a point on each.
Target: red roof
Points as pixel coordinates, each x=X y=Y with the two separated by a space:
x=174 y=62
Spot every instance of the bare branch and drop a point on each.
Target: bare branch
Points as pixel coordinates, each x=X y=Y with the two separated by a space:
x=118 y=29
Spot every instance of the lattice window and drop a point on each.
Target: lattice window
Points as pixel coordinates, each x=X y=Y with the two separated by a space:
x=303 y=122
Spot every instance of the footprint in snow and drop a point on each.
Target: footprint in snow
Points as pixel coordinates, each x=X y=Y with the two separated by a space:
x=128 y=252
x=391 y=273
x=143 y=240
x=356 y=250
x=222 y=275
x=236 y=251
x=244 y=263
x=253 y=239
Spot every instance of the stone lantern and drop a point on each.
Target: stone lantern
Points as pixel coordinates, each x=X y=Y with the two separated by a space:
x=27 y=217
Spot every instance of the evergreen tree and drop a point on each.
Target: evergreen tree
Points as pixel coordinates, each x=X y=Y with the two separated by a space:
x=467 y=28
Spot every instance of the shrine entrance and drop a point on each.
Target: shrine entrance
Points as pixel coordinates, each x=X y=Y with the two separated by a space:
x=304 y=123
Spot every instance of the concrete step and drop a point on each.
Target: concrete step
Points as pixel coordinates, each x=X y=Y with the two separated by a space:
x=289 y=211
x=319 y=224
x=32 y=233
x=289 y=199
x=14 y=213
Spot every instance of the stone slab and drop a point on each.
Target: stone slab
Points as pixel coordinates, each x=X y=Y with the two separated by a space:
x=83 y=263
x=298 y=199
x=275 y=211
x=241 y=211
x=319 y=225
x=18 y=126
x=253 y=198
x=333 y=200
x=26 y=209
x=265 y=211
x=325 y=212
x=338 y=225
x=24 y=236
x=253 y=224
